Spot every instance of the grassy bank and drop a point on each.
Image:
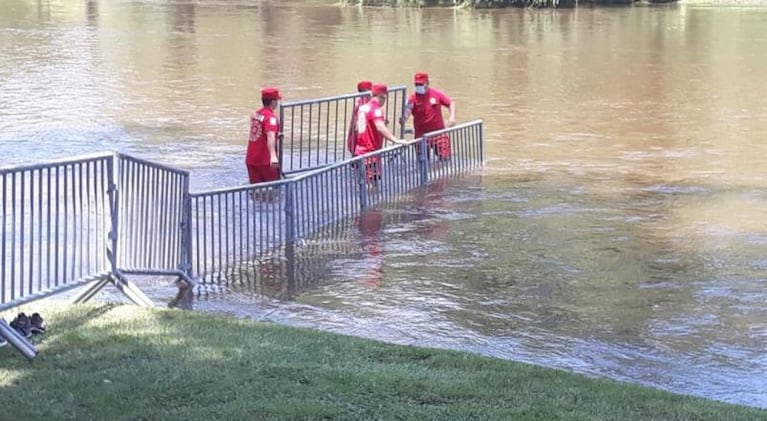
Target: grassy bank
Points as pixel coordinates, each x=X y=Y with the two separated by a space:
x=123 y=362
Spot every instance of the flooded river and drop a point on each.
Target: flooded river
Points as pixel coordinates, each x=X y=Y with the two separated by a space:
x=620 y=225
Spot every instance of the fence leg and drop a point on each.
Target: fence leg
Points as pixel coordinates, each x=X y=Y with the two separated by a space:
x=290 y=234
x=131 y=291
x=92 y=290
x=119 y=281
x=17 y=341
x=423 y=160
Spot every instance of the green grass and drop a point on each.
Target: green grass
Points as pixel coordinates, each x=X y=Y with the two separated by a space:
x=124 y=362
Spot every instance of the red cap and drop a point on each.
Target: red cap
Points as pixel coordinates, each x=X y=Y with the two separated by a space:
x=270 y=93
x=364 y=85
x=380 y=89
x=421 y=78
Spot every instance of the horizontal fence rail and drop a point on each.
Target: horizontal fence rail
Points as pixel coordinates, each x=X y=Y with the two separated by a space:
x=314 y=132
x=56 y=221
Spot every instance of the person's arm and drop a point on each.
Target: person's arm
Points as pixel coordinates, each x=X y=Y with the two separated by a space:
x=381 y=126
x=448 y=102
x=271 y=143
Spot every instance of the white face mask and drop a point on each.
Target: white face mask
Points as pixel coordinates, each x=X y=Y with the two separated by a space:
x=420 y=89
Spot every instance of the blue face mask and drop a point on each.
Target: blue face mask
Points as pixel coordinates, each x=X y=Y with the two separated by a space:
x=420 y=89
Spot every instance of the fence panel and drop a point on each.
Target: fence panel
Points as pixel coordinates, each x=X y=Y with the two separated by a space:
x=314 y=132
x=56 y=220
x=151 y=215
x=232 y=228
x=465 y=150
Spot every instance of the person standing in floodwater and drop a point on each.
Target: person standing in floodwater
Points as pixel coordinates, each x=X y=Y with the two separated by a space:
x=426 y=107
x=351 y=137
x=261 y=157
x=371 y=131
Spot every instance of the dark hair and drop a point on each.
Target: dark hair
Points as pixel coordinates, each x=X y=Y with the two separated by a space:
x=266 y=102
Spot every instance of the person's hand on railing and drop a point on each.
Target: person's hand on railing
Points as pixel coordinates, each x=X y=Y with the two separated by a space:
x=451 y=123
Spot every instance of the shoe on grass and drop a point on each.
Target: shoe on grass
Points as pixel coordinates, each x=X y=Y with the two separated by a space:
x=23 y=325
x=37 y=325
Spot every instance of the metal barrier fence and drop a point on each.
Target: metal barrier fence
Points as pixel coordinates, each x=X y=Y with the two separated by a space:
x=314 y=131
x=93 y=218
x=103 y=216
x=56 y=221
x=235 y=230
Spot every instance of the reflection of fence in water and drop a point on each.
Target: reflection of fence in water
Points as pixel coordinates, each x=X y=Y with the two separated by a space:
x=270 y=276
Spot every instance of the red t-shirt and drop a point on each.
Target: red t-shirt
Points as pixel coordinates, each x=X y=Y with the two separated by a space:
x=261 y=122
x=427 y=111
x=368 y=137
x=351 y=138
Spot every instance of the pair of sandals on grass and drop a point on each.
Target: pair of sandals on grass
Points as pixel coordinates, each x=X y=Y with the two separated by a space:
x=26 y=326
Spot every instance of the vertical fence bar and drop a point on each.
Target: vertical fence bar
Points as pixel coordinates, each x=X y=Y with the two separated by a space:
x=362 y=183
x=281 y=138
x=3 y=298
x=20 y=228
x=186 y=229
x=114 y=173
x=80 y=221
x=327 y=135
x=423 y=159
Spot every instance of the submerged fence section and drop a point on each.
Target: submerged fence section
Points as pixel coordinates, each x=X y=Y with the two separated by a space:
x=232 y=227
x=236 y=230
x=102 y=217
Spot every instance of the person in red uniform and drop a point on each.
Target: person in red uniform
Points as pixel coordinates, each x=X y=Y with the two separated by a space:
x=426 y=107
x=371 y=131
x=261 y=158
x=351 y=137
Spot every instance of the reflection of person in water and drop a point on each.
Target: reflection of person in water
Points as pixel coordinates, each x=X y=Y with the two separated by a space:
x=270 y=274
x=369 y=223
x=438 y=228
